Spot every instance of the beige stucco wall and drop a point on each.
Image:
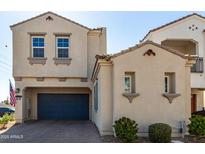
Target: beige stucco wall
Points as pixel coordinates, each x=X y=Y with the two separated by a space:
x=84 y=45
x=103 y=116
x=150 y=107
x=21 y=48
x=82 y=48
x=97 y=44
x=180 y=30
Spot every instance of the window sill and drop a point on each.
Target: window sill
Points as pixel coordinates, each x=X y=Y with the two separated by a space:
x=198 y=72
x=37 y=60
x=170 y=96
x=65 y=61
x=130 y=96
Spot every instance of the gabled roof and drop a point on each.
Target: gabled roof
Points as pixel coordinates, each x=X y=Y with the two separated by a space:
x=130 y=49
x=173 y=22
x=108 y=57
x=49 y=12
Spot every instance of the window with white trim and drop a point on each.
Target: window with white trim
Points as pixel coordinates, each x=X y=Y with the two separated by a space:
x=62 y=45
x=38 y=46
x=129 y=82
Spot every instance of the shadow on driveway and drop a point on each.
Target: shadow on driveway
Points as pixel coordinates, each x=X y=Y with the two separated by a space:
x=52 y=132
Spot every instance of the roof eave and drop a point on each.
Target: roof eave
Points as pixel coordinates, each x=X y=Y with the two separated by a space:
x=152 y=43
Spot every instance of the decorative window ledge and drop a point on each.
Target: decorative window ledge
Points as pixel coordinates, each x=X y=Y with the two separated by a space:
x=36 y=60
x=62 y=34
x=37 y=33
x=170 y=96
x=18 y=78
x=40 y=79
x=130 y=96
x=83 y=79
x=66 y=61
x=62 y=79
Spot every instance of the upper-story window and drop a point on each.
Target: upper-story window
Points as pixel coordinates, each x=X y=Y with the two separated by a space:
x=62 y=47
x=38 y=46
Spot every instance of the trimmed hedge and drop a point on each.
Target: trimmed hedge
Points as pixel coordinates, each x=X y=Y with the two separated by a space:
x=197 y=125
x=126 y=129
x=160 y=133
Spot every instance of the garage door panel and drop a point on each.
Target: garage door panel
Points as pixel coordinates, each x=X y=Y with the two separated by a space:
x=63 y=106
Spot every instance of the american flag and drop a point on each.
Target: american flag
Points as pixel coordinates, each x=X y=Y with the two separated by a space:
x=12 y=94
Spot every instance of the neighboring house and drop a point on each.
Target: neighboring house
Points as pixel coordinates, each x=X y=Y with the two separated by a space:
x=187 y=35
x=58 y=78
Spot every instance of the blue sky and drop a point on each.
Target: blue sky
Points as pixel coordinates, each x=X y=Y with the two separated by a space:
x=124 y=29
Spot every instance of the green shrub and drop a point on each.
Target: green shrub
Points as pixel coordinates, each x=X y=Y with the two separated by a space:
x=11 y=117
x=6 y=118
x=160 y=133
x=1 y=121
x=197 y=125
x=126 y=129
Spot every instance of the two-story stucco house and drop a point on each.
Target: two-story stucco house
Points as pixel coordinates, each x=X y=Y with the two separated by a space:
x=53 y=59
x=62 y=72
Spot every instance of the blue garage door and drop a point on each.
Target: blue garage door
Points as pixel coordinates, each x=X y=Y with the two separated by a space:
x=63 y=106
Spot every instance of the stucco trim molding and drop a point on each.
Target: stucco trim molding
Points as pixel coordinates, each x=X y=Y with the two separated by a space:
x=38 y=60
x=62 y=34
x=40 y=79
x=62 y=79
x=37 y=33
x=18 y=78
x=130 y=96
x=65 y=61
x=83 y=79
x=170 y=96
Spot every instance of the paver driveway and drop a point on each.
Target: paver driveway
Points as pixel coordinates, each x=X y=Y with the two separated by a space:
x=52 y=132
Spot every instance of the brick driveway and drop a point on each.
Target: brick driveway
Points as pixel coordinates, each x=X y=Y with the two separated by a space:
x=52 y=132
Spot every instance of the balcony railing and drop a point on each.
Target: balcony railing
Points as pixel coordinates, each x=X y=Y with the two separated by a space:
x=199 y=66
